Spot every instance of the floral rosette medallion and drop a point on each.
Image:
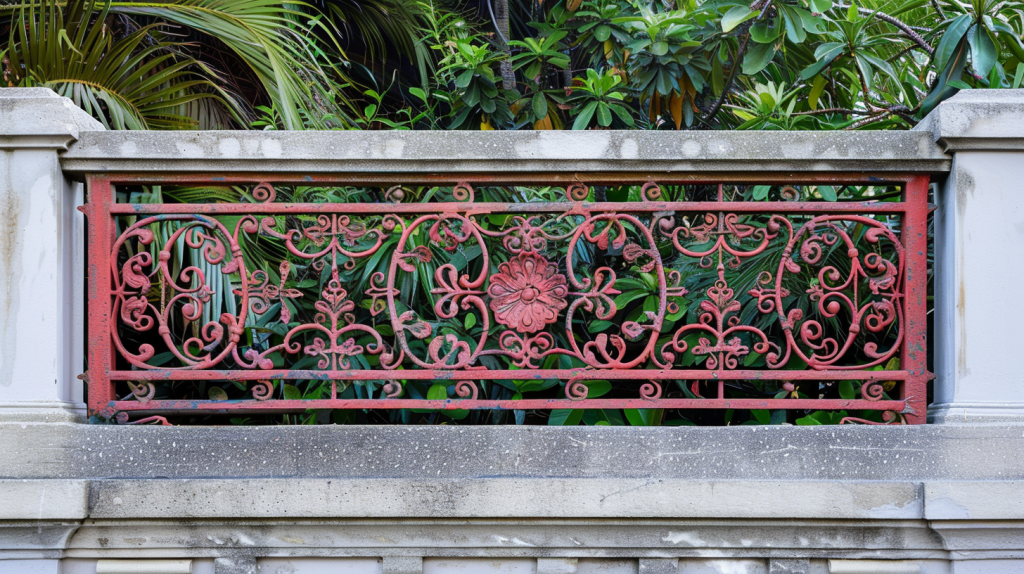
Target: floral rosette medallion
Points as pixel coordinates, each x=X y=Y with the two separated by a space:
x=527 y=293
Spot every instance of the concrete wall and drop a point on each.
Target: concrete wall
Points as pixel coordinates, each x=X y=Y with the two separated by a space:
x=942 y=498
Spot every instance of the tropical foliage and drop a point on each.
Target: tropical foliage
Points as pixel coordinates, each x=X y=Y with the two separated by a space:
x=510 y=64
x=437 y=64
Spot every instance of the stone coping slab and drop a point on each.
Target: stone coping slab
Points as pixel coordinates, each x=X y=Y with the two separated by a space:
x=647 y=154
x=901 y=453
x=506 y=498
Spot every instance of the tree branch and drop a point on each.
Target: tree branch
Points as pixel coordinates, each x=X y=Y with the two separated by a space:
x=728 y=84
x=903 y=27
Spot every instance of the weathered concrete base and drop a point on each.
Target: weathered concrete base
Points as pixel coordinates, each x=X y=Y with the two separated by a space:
x=440 y=500
x=976 y=413
x=42 y=412
x=422 y=546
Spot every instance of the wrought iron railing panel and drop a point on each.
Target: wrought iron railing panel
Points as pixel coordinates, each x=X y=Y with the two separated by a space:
x=481 y=293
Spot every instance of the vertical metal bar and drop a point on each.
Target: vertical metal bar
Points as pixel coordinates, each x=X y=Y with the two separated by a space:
x=914 y=353
x=98 y=279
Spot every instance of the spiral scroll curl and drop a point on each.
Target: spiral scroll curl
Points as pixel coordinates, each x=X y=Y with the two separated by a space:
x=651 y=390
x=576 y=390
x=866 y=295
x=467 y=390
x=188 y=291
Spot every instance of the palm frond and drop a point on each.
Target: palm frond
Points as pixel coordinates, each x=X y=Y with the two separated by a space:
x=138 y=81
x=275 y=39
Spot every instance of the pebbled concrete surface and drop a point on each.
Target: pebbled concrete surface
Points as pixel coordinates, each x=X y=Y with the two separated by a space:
x=926 y=452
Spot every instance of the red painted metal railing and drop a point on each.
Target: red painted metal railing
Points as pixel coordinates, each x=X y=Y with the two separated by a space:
x=691 y=296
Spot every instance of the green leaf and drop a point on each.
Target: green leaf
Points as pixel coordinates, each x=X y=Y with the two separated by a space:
x=597 y=388
x=760 y=192
x=958 y=84
x=816 y=89
x=984 y=52
x=659 y=48
x=767 y=31
x=820 y=6
x=540 y=106
x=622 y=299
x=470 y=321
x=794 y=25
x=565 y=417
x=811 y=23
x=950 y=39
x=437 y=392
x=757 y=58
x=644 y=417
x=292 y=393
x=736 y=16
x=941 y=90
x=218 y=394
x=602 y=33
x=825 y=54
x=604 y=115
x=846 y=390
x=882 y=65
x=463 y=79
x=762 y=416
x=1019 y=76
x=419 y=93
x=828 y=193
x=809 y=420
x=583 y=120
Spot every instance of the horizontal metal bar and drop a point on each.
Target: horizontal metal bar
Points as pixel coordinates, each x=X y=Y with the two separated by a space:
x=515 y=178
x=270 y=406
x=479 y=207
x=522 y=375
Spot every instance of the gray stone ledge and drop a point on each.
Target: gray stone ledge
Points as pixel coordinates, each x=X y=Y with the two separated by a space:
x=500 y=498
x=655 y=154
x=44 y=499
x=974 y=500
x=504 y=498
x=1004 y=413
x=37 y=118
x=905 y=453
x=978 y=120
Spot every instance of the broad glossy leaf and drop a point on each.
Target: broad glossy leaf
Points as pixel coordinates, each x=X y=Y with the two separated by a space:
x=437 y=392
x=794 y=25
x=984 y=52
x=540 y=106
x=950 y=39
x=811 y=23
x=736 y=16
x=767 y=30
x=757 y=58
x=583 y=120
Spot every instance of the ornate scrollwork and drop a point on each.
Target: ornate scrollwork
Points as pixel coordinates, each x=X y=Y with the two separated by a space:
x=540 y=289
